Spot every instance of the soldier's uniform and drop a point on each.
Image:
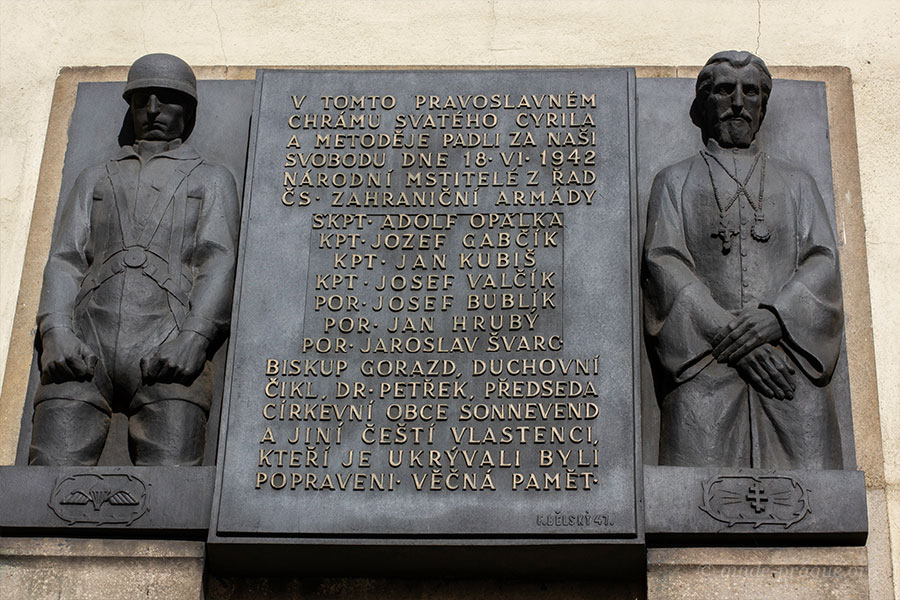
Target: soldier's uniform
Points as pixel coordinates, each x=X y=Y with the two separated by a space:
x=145 y=249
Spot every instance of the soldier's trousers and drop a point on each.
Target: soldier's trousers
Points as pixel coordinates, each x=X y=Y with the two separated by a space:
x=72 y=432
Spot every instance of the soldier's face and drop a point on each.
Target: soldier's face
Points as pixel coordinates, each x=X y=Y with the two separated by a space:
x=734 y=106
x=158 y=114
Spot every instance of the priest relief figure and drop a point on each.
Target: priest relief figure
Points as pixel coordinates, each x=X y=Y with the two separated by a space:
x=741 y=289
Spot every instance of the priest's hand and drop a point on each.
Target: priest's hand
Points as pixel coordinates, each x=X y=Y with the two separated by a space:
x=746 y=332
x=768 y=372
x=64 y=357
x=178 y=360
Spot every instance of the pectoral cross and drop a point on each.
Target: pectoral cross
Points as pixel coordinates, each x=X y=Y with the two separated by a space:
x=725 y=234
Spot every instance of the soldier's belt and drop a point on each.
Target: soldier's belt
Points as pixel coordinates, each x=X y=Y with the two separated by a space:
x=136 y=257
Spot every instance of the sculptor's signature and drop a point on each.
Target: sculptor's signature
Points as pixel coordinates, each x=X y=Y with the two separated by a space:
x=585 y=519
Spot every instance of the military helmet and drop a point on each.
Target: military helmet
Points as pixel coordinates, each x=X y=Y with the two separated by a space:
x=161 y=71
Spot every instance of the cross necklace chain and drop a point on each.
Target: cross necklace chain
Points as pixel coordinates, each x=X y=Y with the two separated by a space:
x=759 y=230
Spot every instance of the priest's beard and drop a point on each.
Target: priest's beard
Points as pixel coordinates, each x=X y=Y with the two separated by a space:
x=734 y=133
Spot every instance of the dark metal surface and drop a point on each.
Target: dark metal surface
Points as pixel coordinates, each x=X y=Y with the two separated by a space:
x=796 y=129
x=100 y=123
x=285 y=249
x=815 y=424
x=689 y=505
x=136 y=295
x=139 y=502
x=329 y=280
x=523 y=559
x=147 y=501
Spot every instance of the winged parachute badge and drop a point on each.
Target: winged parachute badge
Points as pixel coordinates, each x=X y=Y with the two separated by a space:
x=100 y=499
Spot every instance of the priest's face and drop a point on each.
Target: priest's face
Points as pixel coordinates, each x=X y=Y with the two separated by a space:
x=734 y=105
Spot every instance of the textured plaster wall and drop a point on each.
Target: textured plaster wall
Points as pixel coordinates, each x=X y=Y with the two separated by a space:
x=37 y=37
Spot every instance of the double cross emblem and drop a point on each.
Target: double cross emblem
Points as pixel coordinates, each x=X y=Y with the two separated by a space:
x=725 y=233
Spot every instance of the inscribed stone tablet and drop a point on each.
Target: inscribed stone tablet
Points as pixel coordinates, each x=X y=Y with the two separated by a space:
x=435 y=325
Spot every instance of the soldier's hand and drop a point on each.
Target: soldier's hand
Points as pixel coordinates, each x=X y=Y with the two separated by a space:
x=768 y=372
x=65 y=357
x=746 y=332
x=178 y=360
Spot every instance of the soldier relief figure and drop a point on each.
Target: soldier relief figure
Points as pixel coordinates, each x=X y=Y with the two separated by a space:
x=742 y=294
x=137 y=289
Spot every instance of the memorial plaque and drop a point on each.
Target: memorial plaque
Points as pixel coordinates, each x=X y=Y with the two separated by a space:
x=435 y=323
x=436 y=362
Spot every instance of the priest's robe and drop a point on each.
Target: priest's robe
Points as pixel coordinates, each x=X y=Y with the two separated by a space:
x=693 y=287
